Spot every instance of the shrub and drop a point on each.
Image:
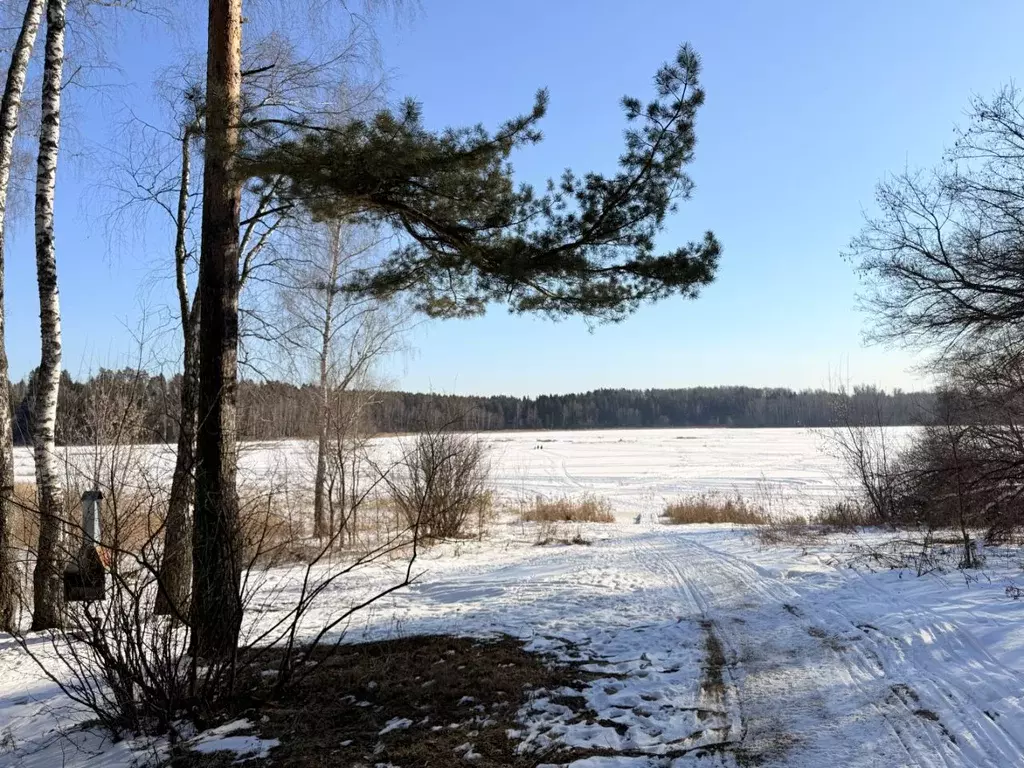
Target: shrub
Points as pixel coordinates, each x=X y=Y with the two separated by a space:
x=710 y=508
x=786 y=530
x=847 y=515
x=441 y=485
x=586 y=509
x=554 y=532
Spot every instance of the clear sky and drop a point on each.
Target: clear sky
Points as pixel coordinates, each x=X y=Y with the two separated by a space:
x=808 y=105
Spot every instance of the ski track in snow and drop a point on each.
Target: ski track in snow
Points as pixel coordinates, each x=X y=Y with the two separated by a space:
x=822 y=665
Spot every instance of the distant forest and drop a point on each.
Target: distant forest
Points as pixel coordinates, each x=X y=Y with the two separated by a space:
x=275 y=409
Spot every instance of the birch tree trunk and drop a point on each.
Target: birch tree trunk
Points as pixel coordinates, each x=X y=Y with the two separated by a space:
x=321 y=529
x=216 y=609
x=48 y=597
x=175 y=579
x=10 y=108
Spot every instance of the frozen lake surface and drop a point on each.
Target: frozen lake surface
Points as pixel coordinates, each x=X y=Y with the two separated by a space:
x=638 y=471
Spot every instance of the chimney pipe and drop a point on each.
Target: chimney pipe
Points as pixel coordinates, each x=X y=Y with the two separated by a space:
x=91 y=517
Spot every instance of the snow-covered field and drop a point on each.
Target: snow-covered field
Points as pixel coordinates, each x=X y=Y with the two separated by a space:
x=638 y=471
x=821 y=664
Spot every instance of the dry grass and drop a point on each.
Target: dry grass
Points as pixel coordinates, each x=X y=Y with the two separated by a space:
x=709 y=509
x=831 y=518
x=275 y=526
x=451 y=690
x=24 y=525
x=585 y=509
x=787 y=530
x=133 y=519
x=846 y=516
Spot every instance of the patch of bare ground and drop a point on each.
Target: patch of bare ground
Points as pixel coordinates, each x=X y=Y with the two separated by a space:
x=426 y=701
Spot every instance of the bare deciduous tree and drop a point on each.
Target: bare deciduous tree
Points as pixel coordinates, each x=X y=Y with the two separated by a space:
x=10 y=108
x=943 y=254
x=861 y=439
x=48 y=594
x=342 y=337
x=176 y=565
x=943 y=259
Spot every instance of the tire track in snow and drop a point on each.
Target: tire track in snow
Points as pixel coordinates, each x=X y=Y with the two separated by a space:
x=900 y=683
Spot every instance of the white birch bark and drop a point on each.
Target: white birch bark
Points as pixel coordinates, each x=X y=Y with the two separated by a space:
x=48 y=595
x=10 y=109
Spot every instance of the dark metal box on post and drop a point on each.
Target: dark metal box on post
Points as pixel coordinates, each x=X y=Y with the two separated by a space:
x=85 y=577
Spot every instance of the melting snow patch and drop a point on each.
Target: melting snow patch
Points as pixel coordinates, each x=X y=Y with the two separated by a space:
x=221 y=739
x=468 y=752
x=395 y=724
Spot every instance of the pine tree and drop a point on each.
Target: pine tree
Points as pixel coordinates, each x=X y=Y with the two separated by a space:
x=216 y=609
x=584 y=247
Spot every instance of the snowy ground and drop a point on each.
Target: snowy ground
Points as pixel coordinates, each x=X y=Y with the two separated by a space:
x=716 y=650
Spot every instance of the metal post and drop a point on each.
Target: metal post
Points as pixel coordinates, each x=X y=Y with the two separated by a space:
x=91 y=517
x=85 y=576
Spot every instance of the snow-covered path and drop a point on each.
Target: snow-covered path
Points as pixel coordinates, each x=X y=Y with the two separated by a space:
x=823 y=665
x=840 y=673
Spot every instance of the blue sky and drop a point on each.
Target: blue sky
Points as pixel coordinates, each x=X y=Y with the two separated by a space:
x=808 y=105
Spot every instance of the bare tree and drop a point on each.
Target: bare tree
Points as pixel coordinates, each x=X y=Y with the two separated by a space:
x=176 y=565
x=277 y=82
x=943 y=257
x=342 y=337
x=944 y=260
x=956 y=437
x=47 y=579
x=10 y=108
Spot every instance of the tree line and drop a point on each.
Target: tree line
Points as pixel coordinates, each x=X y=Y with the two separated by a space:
x=725 y=406
x=271 y=410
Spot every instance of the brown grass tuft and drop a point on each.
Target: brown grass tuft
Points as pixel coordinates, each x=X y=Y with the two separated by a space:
x=845 y=516
x=709 y=509
x=586 y=509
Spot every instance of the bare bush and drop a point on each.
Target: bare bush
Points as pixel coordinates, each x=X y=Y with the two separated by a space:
x=586 y=509
x=846 y=515
x=135 y=671
x=862 y=441
x=441 y=485
x=558 y=532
